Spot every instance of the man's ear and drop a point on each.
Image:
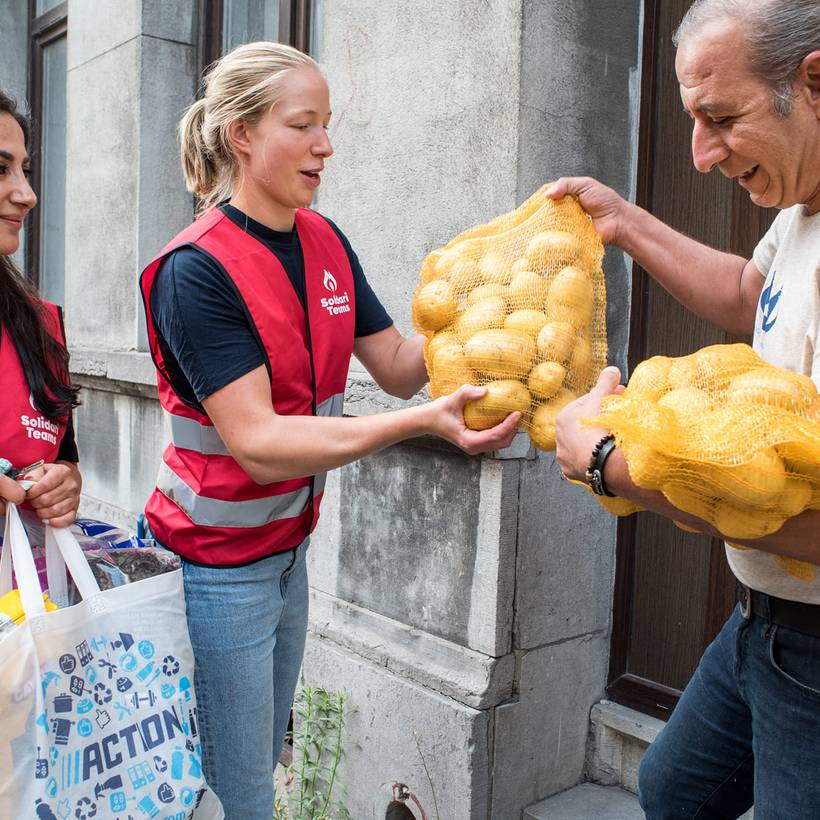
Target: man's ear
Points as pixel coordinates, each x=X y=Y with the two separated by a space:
x=808 y=75
x=239 y=137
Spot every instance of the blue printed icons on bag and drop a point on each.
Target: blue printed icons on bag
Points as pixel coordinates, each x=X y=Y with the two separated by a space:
x=67 y=663
x=62 y=703
x=84 y=653
x=85 y=705
x=165 y=793
x=86 y=809
x=167 y=690
x=128 y=661
x=146 y=649
x=62 y=730
x=170 y=665
x=43 y=810
x=84 y=727
x=102 y=694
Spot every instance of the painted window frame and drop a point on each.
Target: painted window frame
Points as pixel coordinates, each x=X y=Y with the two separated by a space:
x=294 y=27
x=44 y=30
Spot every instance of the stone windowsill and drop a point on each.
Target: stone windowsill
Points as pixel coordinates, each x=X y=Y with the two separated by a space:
x=131 y=372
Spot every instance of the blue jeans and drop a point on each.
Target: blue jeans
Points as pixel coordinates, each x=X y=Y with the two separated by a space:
x=746 y=730
x=248 y=627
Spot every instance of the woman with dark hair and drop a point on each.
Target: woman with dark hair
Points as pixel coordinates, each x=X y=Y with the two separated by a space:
x=38 y=397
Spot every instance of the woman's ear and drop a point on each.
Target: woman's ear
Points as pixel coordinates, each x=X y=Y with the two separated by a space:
x=239 y=137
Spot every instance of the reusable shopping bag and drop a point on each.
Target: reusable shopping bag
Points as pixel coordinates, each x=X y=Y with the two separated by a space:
x=97 y=710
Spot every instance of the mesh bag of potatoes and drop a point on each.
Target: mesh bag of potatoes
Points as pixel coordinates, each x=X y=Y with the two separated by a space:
x=723 y=435
x=517 y=305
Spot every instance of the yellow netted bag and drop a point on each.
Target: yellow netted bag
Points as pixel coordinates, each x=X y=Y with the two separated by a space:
x=518 y=305
x=723 y=435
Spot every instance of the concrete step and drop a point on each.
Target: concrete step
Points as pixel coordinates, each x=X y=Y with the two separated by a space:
x=587 y=802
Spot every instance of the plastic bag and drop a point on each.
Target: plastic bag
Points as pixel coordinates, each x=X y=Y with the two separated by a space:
x=98 y=716
x=518 y=305
x=723 y=435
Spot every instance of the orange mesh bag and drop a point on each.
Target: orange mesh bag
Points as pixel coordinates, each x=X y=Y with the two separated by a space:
x=723 y=435
x=517 y=305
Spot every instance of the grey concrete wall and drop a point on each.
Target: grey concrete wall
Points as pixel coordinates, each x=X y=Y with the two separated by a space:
x=130 y=75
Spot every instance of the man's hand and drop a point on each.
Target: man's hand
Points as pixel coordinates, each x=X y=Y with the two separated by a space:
x=605 y=206
x=447 y=422
x=10 y=490
x=56 y=493
x=574 y=444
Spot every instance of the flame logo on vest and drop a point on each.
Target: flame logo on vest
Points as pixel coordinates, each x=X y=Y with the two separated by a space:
x=330 y=282
x=336 y=304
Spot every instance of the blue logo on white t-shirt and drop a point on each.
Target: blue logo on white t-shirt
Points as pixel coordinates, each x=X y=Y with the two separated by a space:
x=768 y=306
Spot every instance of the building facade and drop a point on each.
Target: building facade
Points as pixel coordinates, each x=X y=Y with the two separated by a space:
x=465 y=603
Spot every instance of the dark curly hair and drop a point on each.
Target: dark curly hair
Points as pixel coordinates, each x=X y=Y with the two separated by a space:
x=25 y=318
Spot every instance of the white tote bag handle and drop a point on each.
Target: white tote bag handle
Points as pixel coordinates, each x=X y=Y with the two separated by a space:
x=17 y=554
x=63 y=550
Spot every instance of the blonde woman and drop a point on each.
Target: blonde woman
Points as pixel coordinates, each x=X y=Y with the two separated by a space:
x=253 y=313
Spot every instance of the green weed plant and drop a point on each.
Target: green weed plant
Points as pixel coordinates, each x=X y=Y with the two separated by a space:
x=318 y=748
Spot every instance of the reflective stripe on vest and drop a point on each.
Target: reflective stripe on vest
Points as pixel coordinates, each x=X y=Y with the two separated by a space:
x=189 y=434
x=213 y=512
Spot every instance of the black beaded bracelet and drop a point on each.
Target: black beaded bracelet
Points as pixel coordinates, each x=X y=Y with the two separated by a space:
x=595 y=471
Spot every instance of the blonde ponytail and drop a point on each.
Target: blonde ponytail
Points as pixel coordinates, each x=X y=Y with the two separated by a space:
x=243 y=84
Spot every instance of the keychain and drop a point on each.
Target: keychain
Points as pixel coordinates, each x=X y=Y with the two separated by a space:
x=6 y=468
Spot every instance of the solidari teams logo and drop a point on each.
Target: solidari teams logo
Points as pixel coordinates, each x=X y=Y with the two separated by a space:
x=38 y=426
x=334 y=304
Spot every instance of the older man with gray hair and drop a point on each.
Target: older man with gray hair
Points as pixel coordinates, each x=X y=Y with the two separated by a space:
x=747 y=728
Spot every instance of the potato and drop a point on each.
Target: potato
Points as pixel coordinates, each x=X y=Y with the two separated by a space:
x=650 y=379
x=484 y=314
x=436 y=342
x=772 y=386
x=795 y=498
x=527 y=321
x=450 y=371
x=527 y=291
x=500 y=353
x=494 y=268
x=518 y=266
x=542 y=425
x=647 y=467
x=800 y=458
x=555 y=342
x=485 y=291
x=757 y=483
x=464 y=275
x=580 y=365
x=502 y=398
x=545 y=379
x=688 y=403
x=551 y=250
x=685 y=497
x=571 y=297
x=733 y=522
x=434 y=305
x=716 y=365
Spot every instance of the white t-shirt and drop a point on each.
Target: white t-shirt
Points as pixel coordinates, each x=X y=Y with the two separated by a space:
x=787 y=334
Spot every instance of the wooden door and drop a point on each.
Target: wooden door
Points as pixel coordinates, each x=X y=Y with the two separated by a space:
x=673 y=590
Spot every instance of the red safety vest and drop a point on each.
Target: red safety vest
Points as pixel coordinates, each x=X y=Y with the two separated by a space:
x=205 y=506
x=26 y=435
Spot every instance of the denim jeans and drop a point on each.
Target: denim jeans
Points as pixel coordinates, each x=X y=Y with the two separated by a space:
x=746 y=730
x=248 y=627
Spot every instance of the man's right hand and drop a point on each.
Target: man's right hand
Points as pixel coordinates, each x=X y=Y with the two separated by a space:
x=605 y=206
x=10 y=490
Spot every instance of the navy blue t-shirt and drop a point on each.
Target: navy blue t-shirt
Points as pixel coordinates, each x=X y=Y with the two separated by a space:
x=204 y=333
